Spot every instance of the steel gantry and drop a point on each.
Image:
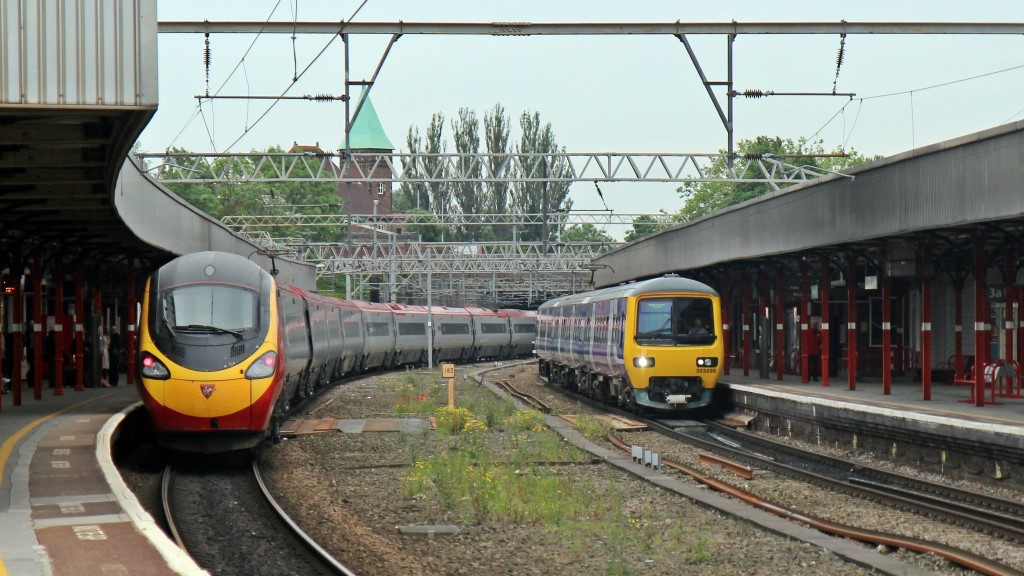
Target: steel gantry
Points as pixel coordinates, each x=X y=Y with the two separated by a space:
x=421 y=167
x=485 y=273
x=247 y=223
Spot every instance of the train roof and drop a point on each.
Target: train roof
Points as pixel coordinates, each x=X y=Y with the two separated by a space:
x=314 y=297
x=210 y=266
x=401 y=309
x=373 y=306
x=667 y=283
x=513 y=313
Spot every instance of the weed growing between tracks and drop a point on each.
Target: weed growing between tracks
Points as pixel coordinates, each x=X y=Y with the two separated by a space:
x=496 y=463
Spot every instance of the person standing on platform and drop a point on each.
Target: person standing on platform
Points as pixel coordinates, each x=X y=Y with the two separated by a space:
x=50 y=357
x=814 y=352
x=114 y=352
x=104 y=358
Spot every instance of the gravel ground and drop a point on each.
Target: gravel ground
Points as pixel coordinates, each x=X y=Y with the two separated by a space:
x=350 y=492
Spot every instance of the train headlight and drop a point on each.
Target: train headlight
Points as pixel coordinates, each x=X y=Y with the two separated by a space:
x=153 y=368
x=707 y=362
x=643 y=362
x=263 y=367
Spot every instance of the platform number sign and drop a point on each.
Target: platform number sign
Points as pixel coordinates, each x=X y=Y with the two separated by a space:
x=995 y=294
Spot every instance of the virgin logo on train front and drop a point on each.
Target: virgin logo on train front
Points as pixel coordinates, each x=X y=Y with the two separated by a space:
x=207 y=389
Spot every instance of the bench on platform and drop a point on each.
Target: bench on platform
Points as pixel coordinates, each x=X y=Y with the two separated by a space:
x=994 y=372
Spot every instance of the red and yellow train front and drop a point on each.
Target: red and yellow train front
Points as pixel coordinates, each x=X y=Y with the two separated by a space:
x=209 y=358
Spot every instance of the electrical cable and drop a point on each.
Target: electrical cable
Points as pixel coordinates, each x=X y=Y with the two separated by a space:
x=293 y=82
x=198 y=109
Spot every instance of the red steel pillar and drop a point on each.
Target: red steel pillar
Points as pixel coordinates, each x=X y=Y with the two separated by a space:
x=780 y=312
x=805 y=306
x=726 y=308
x=824 y=286
x=79 y=327
x=763 y=331
x=980 y=316
x=886 y=324
x=17 y=327
x=746 y=323
x=1011 y=274
x=926 y=321
x=851 y=321
x=58 y=325
x=37 y=327
x=958 y=328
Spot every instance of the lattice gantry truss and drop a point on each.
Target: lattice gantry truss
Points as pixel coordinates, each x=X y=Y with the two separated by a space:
x=399 y=167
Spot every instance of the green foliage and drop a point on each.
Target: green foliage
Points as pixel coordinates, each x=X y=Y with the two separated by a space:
x=552 y=198
x=469 y=195
x=592 y=428
x=536 y=144
x=586 y=233
x=703 y=198
x=496 y=137
x=424 y=223
x=264 y=198
x=646 y=225
x=412 y=195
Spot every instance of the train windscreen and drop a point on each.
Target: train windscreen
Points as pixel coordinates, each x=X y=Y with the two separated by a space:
x=215 y=308
x=675 y=321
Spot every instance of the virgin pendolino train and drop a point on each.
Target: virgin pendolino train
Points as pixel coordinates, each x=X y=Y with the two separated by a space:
x=225 y=351
x=652 y=344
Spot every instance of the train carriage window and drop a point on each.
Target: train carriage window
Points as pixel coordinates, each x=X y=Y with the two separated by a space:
x=451 y=328
x=377 y=329
x=493 y=328
x=412 y=328
x=352 y=329
x=525 y=329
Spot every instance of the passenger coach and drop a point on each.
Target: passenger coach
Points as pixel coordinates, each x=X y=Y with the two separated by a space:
x=649 y=344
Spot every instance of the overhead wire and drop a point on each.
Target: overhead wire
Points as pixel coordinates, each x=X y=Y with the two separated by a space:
x=292 y=84
x=206 y=56
x=910 y=91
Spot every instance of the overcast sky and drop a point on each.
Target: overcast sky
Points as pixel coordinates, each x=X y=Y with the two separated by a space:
x=600 y=93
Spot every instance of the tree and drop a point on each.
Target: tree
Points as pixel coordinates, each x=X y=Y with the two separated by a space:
x=586 y=233
x=412 y=195
x=703 y=198
x=264 y=198
x=468 y=194
x=424 y=223
x=441 y=191
x=536 y=144
x=646 y=225
x=496 y=137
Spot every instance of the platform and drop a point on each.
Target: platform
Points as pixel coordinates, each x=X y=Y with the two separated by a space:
x=63 y=506
x=948 y=434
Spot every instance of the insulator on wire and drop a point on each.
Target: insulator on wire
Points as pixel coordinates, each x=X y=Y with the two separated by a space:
x=753 y=156
x=206 y=61
x=754 y=93
x=839 y=60
x=323 y=98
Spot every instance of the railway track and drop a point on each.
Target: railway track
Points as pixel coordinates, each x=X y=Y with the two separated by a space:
x=739 y=451
x=225 y=518
x=997 y=517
